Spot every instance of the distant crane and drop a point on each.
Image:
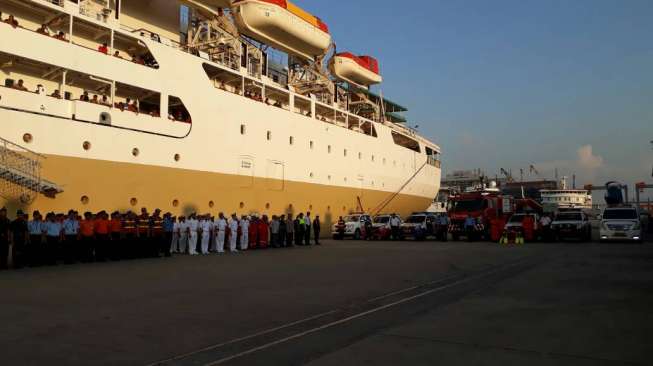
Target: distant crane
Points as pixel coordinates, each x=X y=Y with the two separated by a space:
x=507 y=175
x=534 y=170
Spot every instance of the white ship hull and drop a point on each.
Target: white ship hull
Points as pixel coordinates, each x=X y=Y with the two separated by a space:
x=223 y=161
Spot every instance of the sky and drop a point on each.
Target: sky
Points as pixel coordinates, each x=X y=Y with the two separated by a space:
x=509 y=83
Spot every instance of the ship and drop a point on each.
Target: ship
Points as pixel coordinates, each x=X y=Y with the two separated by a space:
x=123 y=104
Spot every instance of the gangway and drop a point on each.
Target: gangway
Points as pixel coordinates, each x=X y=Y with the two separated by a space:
x=20 y=174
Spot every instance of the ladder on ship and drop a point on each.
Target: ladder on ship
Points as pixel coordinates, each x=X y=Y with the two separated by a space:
x=20 y=174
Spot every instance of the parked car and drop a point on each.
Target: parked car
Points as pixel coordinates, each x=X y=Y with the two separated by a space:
x=621 y=223
x=354 y=226
x=572 y=225
x=418 y=226
x=381 y=227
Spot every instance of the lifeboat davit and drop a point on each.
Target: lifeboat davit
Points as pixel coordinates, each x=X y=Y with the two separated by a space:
x=361 y=70
x=283 y=25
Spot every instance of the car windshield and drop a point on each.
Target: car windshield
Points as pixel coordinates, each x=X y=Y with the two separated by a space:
x=569 y=216
x=354 y=218
x=416 y=219
x=381 y=220
x=620 y=215
x=467 y=205
x=517 y=218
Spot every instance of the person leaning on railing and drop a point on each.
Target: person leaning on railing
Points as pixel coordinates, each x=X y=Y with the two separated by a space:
x=11 y=21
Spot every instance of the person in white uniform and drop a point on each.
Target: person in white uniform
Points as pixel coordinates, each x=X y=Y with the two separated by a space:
x=175 y=236
x=220 y=228
x=183 y=235
x=244 y=235
x=233 y=238
x=206 y=227
x=213 y=243
x=193 y=225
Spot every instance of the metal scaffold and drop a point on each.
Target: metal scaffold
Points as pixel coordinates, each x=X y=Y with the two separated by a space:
x=20 y=174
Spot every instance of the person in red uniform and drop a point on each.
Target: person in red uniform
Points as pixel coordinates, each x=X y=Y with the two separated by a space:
x=253 y=233
x=156 y=236
x=529 y=228
x=129 y=235
x=103 y=48
x=264 y=232
x=102 y=236
x=87 y=234
x=143 y=233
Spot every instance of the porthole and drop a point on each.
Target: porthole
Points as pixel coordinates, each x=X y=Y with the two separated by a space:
x=242 y=205
x=329 y=208
x=84 y=200
x=291 y=140
x=211 y=204
x=175 y=203
x=133 y=201
x=135 y=151
x=269 y=135
x=177 y=157
x=86 y=145
x=242 y=129
x=267 y=206
x=290 y=206
x=27 y=137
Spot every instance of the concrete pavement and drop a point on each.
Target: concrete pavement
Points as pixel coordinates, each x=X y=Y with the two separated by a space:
x=342 y=303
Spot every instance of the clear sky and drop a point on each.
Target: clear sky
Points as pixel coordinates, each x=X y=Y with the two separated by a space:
x=507 y=83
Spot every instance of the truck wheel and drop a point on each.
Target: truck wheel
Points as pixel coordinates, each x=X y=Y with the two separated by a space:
x=357 y=235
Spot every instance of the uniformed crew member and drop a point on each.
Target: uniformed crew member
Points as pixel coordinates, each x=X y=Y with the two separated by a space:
x=102 y=236
x=18 y=239
x=35 y=245
x=54 y=231
x=317 y=227
x=115 y=226
x=221 y=229
x=299 y=229
x=233 y=236
x=206 y=228
x=156 y=234
x=87 y=244
x=193 y=226
x=130 y=235
x=283 y=229
x=183 y=235
x=290 y=231
x=307 y=229
x=71 y=236
x=143 y=233
x=168 y=229
x=174 y=246
x=244 y=236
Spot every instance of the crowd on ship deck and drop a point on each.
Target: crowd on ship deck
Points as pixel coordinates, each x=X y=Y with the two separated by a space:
x=97 y=237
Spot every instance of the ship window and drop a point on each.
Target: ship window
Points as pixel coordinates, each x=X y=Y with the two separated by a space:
x=324 y=113
x=345 y=152
x=277 y=98
x=223 y=79
x=130 y=98
x=242 y=129
x=311 y=145
x=177 y=111
x=269 y=135
x=329 y=149
x=291 y=140
x=302 y=106
x=405 y=141
x=360 y=155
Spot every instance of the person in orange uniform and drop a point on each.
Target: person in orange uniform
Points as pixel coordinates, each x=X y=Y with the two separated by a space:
x=115 y=226
x=143 y=234
x=156 y=234
x=102 y=236
x=87 y=234
x=129 y=235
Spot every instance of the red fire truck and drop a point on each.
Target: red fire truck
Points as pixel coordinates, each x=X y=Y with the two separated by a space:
x=489 y=208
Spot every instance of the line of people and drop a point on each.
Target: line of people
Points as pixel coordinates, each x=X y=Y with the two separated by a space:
x=71 y=238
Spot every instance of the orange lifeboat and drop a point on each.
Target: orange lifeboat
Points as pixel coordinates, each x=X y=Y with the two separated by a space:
x=283 y=25
x=361 y=70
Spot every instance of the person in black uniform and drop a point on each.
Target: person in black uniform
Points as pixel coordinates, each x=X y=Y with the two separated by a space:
x=307 y=229
x=4 y=238
x=316 y=229
x=18 y=239
x=282 y=232
x=299 y=229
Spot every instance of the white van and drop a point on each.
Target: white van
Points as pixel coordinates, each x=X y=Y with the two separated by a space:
x=621 y=223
